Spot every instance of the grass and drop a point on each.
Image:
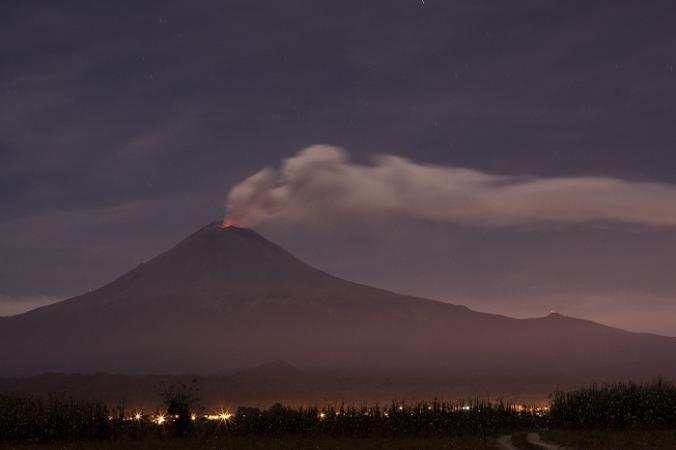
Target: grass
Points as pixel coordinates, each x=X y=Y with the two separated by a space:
x=613 y=439
x=287 y=443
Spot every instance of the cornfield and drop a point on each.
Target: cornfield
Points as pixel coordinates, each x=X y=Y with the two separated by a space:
x=616 y=406
x=59 y=419
x=423 y=419
x=611 y=406
x=52 y=419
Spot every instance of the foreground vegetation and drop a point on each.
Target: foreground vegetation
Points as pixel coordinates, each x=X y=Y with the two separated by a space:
x=616 y=406
x=625 y=415
x=58 y=419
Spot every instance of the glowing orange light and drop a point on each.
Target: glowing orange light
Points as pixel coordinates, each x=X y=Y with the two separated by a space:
x=229 y=222
x=322 y=416
x=223 y=415
x=193 y=417
x=160 y=419
x=137 y=416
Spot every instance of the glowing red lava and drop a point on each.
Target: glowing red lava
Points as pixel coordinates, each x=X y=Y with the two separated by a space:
x=228 y=222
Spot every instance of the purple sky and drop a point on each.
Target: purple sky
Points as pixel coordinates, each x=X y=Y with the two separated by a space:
x=123 y=127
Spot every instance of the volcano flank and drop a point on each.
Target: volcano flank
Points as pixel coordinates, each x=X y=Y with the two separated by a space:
x=227 y=299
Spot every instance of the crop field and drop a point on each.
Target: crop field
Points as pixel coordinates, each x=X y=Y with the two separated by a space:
x=616 y=406
x=57 y=419
x=627 y=416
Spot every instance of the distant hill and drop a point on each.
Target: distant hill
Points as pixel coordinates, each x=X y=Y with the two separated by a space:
x=265 y=385
x=227 y=299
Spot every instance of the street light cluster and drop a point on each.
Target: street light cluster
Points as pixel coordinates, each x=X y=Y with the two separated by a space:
x=161 y=419
x=226 y=416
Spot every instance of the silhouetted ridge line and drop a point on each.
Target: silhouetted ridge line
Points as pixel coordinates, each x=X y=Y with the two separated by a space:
x=226 y=299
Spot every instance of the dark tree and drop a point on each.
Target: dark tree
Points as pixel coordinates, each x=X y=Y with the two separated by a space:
x=181 y=401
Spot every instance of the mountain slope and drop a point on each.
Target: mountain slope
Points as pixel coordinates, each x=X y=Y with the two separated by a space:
x=226 y=299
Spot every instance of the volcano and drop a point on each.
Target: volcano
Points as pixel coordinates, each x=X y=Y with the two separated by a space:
x=226 y=299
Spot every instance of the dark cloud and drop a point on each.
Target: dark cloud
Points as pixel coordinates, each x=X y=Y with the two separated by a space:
x=166 y=105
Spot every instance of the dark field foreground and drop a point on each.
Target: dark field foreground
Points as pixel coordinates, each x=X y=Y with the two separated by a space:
x=613 y=440
x=621 y=416
x=572 y=440
x=281 y=443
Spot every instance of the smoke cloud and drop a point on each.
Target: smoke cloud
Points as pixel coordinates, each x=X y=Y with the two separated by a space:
x=321 y=182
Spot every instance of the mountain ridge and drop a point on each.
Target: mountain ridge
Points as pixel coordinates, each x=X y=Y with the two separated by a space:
x=225 y=299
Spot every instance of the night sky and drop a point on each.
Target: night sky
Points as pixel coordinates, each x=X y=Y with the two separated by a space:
x=124 y=125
